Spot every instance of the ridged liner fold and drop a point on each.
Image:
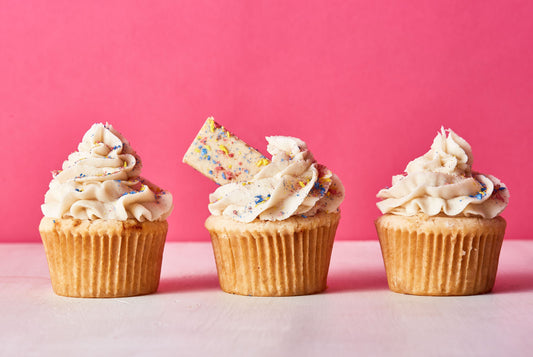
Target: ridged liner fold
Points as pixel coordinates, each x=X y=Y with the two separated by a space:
x=103 y=258
x=440 y=255
x=281 y=258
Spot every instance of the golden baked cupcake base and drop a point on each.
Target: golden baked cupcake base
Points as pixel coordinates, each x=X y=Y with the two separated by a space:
x=440 y=255
x=281 y=258
x=103 y=258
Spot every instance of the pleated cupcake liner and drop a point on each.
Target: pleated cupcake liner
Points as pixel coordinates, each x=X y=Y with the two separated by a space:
x=283 y=258
x=437 y=261
x=114 y=259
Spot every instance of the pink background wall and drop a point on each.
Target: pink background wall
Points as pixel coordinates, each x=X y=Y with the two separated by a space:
x=366 y=84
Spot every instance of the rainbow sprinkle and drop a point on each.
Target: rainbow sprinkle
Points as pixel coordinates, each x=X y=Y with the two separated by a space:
x=481 y=193
x=261 y=199
x=262 y=162
x=224 y=149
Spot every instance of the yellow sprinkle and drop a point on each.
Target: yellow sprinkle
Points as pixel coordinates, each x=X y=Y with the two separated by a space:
x=262 y=162
x=199 y=137
x=223 y=148
x=211 y=122
x=228 y=134
x=230 y=166
x=125 y=164
x=208 y=147
x=197 y=150
x=324 y=179
x=301 y=184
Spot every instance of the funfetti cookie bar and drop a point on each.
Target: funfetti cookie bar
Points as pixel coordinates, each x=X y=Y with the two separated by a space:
x=223 y=157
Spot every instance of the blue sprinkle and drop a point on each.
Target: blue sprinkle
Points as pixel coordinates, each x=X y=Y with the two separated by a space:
x=320 y=188
x=210 y=172
x=259 y=199
x=223 y=175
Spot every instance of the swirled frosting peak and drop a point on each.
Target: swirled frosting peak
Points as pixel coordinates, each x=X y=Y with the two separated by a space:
x=292 y=184
x=101 y=181
x=442 y=181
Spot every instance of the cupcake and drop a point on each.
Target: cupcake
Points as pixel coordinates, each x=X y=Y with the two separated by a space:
x=104 y=226
x=441 y=233
x=273 y=235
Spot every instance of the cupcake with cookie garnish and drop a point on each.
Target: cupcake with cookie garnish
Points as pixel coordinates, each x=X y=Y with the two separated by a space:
x=104 y=226
x=441 y=231
x=273 y=235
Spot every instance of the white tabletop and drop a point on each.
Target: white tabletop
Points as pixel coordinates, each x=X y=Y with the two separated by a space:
x=190 y=316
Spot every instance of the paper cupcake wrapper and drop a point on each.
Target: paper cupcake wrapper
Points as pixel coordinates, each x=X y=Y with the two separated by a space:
x=284 y=258
x=448 y=256
x=103 y=258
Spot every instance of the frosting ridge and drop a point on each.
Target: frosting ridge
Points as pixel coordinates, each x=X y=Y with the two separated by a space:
x=442 y=181
x=101 y=181
x=292 y=184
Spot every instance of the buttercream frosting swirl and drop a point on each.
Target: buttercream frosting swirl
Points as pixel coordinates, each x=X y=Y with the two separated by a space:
x=442 y=181
x=292 y=184
x=101 y=181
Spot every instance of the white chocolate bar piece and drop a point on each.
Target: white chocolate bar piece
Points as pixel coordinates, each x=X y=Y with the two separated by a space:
x=223 y=157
